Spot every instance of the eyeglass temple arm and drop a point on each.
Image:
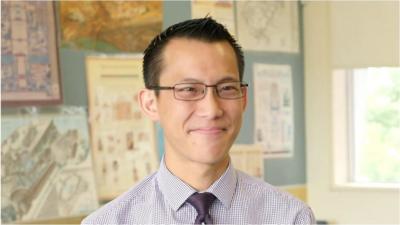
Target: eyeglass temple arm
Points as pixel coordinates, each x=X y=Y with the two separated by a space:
x=159 y=88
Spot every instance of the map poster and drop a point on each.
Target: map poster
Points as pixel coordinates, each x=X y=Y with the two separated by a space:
x=268 y=25
x=248 y=158
x=110 y=26
x=273 y=104
x=29 y=58
x=220 y=10
x=123 y=139
x=46 y=167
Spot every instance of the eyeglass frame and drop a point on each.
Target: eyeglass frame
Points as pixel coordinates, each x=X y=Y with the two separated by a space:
x=160 y=88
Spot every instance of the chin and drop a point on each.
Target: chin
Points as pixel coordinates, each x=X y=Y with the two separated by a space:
x=212 y=155
x=210 y=161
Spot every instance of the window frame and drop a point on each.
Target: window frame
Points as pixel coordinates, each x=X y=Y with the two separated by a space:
x=343 y=120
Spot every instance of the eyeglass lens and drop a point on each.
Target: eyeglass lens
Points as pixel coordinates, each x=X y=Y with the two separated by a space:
x=195 y=91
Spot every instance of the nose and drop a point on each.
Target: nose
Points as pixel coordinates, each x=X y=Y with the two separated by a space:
x=210 y=105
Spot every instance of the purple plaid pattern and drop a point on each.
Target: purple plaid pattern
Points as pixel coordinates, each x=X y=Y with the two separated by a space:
x=240 y=199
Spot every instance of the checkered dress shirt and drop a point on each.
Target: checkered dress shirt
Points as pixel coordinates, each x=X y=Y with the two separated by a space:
x=240 y=199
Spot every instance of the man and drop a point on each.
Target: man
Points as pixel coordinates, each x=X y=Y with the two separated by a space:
x=193 y=74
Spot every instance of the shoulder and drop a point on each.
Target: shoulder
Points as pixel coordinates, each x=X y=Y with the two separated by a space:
x=260 y=188
x=271 y=199
x=116 y=211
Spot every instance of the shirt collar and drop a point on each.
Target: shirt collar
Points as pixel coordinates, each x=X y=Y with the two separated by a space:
x=225 y=186
x=176 y=191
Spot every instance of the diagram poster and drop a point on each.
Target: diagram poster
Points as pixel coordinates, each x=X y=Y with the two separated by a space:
x=123 y=139
x=249 y=159
x=220 y=10
x=273 y=102
x=268 y=25
x=46 y=167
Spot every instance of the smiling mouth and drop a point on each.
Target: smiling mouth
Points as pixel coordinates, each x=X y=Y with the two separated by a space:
x=208 y=130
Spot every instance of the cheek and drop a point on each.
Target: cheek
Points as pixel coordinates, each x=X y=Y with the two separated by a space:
x=174 y=115
x=235 y=111
x=236 y=117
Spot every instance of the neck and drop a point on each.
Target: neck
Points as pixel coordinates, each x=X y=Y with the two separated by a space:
x=200 y=176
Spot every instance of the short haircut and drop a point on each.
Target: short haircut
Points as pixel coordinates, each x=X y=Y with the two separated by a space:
x=204 y=29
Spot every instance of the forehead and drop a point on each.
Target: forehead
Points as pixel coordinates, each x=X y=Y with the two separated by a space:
x=187 y=43
x=192 y=57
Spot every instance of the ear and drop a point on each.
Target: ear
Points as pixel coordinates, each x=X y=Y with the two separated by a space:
x=148 y=104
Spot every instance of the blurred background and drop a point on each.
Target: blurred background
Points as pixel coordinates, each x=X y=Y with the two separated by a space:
x=323 y=120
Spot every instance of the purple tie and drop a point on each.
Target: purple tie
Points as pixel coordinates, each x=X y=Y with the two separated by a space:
x=202 y=202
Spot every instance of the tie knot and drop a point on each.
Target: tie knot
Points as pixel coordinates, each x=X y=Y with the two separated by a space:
x=201 y=202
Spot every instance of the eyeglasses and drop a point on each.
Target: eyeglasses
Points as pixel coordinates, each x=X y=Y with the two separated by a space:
x=197 y=91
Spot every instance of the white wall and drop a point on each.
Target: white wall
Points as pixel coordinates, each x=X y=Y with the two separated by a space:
x=329 y=202
x=364 y=33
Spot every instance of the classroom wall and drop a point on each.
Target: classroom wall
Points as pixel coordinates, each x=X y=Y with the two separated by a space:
x=281 y=172
x=332 y=202
x=288 y=173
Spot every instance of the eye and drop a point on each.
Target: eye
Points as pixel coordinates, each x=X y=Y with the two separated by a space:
x=187 y=88
x=228 y=87
x=188 y=91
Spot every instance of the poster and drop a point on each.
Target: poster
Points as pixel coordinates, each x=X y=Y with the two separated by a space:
x=110 y=26
x=220 y=10
x=123 y=139
x=248 y=158
x=268 y=25
x=273 y=102
x=46 y=166
x=29 y=57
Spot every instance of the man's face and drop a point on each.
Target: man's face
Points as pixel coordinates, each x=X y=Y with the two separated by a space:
x=200 y=131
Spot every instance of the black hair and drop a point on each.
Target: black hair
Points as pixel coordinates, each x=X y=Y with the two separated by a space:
x=204 y=29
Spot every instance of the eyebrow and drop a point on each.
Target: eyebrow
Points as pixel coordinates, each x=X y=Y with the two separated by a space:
x=225 y=79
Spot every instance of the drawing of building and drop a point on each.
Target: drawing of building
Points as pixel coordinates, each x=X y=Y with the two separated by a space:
x=30 y=157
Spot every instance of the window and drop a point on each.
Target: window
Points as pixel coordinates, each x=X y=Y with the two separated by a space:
x=368 y=141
